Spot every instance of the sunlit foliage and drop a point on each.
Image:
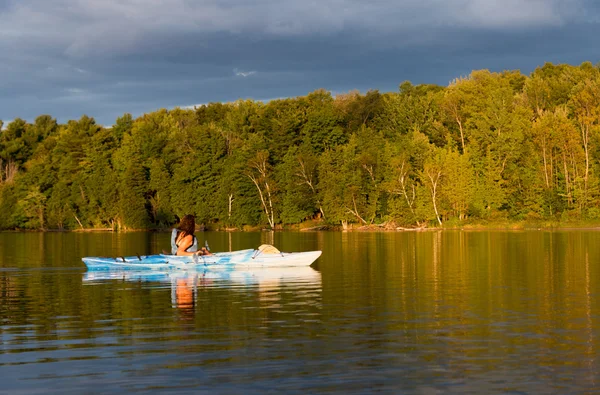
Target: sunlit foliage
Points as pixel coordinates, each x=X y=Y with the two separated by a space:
x=488 y=147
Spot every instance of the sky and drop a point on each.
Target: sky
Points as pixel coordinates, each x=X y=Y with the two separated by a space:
x=104 y=58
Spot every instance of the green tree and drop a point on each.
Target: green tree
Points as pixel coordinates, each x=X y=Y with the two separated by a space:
x=459 y=183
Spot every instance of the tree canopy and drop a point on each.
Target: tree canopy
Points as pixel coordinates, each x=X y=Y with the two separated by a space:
x=487 y=147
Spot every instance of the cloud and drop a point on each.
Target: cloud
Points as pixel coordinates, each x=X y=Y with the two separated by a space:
x=113 y=56
x=244 y=74
x=75 y=91
x=513 y=13
x=88 y=27
x=79 y=29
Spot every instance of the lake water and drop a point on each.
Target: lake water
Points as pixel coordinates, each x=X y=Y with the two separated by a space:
x=410 y=313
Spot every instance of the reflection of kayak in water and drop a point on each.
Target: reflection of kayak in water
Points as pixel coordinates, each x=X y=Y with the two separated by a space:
x=301 y=274
x=220 y=261
x=185 y=284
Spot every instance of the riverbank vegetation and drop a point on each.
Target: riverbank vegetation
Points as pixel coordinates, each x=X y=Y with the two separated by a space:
x=488 y=148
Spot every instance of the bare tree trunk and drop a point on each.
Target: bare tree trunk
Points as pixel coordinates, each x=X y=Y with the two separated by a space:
x=434 y=179
x=552 y=178
x=272 y=218
x=355 y=211
x=369 y=169
x=260 y=165
x=462 y=136
x=78 y=221
x=344 y=225
x=264 y=203
x=585 y=137
x=545 y=162
x=10 y=171
x=409 y=201
x=454 y=110
x=567 y=183
x=306 y=176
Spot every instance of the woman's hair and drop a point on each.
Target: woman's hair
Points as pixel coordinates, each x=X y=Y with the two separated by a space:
x=187 y=225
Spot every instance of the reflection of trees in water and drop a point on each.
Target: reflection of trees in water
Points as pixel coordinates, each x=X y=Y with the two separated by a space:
x=7 y=290
x=268 y=237
x=591 y=365
x=9 y=298
x=522 y=291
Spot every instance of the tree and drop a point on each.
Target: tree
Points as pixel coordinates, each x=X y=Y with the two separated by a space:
x=455 y=103
x=585 y=102
x=33 y=208
x=459 y=182
x=259 y=173
x=298 y=175
x=433 y=170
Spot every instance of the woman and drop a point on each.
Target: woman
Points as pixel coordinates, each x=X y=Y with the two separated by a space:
x=183 y=240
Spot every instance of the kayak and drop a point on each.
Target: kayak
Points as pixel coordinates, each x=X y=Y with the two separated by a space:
x=159 y=261
x=249 y=258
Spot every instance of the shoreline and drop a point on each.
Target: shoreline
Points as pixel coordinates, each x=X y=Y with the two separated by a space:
x=375 y=228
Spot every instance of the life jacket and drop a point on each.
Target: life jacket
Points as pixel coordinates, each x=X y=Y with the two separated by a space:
x=192 y=248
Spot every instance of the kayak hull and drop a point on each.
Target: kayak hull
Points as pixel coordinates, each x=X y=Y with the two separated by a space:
x=219 y=261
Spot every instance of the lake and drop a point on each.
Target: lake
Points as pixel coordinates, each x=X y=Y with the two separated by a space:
x=412 y=313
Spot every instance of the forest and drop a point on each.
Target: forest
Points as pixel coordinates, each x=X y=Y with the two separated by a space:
x=489 y=148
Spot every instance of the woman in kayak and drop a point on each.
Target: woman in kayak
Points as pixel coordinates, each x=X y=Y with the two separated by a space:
x=183 y=240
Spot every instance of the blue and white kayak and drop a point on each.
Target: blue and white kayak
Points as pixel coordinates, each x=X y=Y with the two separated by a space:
x=220 y=261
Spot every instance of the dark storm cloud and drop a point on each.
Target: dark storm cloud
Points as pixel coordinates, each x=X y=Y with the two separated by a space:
x=104 y=58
